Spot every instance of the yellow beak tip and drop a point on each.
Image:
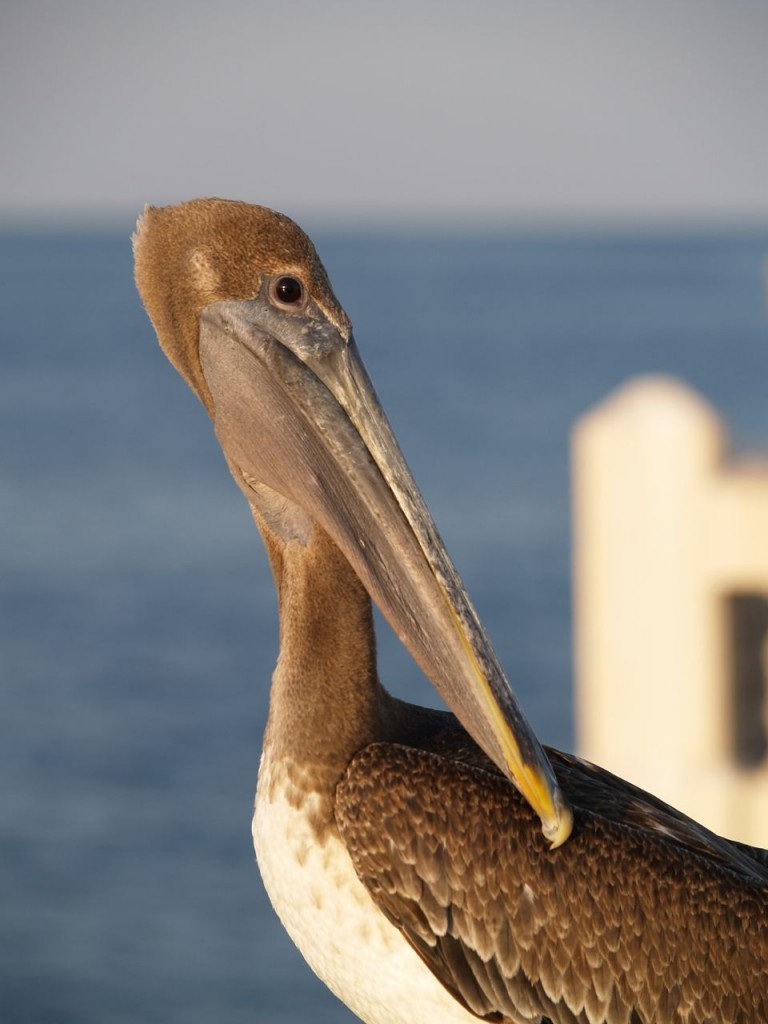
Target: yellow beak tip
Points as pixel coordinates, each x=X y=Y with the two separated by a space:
x=539 y=788
x=558 y=831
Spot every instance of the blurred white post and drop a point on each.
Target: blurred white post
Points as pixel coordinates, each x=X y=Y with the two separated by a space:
x=664 y=535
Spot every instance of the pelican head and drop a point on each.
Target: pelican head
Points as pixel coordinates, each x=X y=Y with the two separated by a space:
x=245 y=312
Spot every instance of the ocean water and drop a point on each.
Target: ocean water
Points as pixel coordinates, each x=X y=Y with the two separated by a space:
x=137 y=616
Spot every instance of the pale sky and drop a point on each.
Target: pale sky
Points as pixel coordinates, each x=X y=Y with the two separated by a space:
x=590 y=110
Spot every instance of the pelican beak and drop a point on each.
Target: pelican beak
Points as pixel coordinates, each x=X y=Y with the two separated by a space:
x=295 y=412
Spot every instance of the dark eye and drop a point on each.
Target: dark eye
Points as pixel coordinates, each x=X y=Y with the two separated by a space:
x=289 y=291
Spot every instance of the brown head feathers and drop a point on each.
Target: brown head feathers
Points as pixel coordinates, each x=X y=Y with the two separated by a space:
x=207 y=250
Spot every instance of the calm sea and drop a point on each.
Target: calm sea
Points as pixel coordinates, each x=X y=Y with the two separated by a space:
x=137 y=622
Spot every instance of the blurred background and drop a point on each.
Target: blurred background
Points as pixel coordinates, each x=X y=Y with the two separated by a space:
x=519 y=204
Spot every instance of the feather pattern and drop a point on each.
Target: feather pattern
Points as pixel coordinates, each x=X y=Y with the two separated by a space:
x=643 y=917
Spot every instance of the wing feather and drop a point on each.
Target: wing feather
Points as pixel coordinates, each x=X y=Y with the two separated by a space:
x=625 y=924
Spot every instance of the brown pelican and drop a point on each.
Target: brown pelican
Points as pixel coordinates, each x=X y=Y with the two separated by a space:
x=401 y=846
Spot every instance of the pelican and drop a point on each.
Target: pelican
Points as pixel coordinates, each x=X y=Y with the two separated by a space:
x=431 y=866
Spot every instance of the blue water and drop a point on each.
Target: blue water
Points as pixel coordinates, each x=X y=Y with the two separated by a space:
x=137 y=618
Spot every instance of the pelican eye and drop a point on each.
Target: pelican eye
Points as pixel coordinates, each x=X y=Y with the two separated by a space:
x=287 y=291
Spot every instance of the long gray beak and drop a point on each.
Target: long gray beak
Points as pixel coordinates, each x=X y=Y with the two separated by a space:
x=296 y=412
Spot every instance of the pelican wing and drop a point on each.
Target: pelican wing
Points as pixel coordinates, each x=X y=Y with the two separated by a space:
x=622 y=925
